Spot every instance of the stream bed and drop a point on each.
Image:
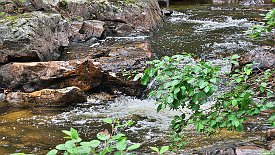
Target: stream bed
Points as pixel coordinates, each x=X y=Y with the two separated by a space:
x=210 y=32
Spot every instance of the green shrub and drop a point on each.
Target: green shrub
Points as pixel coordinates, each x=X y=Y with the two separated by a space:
x=269 y=25
x=184 y=83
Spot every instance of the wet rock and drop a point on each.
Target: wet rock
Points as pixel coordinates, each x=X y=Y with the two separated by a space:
x=167 y=12
x=122 y=29
x=102 y=97
x=270 y=134
x=47 y=97
x=92 y=28
x=163 y=3
x=33 y=36
x=28 y=77
x=114 y=59
x=261 y=57
x=249 y=150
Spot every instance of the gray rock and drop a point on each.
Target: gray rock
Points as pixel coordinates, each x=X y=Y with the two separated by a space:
x=249 y=150
x=261 y=57
x=33 y=36
x=92 y=28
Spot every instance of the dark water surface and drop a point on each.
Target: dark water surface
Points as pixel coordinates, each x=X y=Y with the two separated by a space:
x=209 y=31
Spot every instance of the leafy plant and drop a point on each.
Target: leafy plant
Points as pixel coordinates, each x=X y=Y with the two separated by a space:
x=185 y=83
x=178 y=141
x=269 y=25
x=161 y=150
x=105 y=143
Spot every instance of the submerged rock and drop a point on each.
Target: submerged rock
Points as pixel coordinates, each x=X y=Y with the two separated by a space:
x=29 y=77
x=47 y=97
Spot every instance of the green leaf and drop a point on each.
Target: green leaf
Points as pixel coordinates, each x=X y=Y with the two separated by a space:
x=206 y=89
x=160 y=107
x=93 y=143
x=102 y=136
x=212 y=123
x=199 y=127
x=69 y=144
x=164 y=149
x=118 y=136
x=232 y=117
x=202 y=84
x=108 y=120
x=169 y=99
x=52 y=152
x=121 y=145
x=67 y=132
x=239 y=128
x=270 y=104
x=235 y=56
x=61 y=147
x=74 y=134
x=133 y=147
x=236 y=123
x=118 y=153
x=155 y=149
x=234 y=102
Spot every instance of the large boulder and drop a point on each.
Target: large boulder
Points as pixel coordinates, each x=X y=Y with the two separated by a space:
x=47 y=97
x=142 y=15
x=115 y=59
x=32 y=36
x=261 y=57
x=29 y=77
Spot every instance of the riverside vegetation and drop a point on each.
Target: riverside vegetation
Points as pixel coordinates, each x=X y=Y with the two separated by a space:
x=183 y=82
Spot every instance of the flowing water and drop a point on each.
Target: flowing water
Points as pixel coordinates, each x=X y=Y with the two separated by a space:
x=211 y=32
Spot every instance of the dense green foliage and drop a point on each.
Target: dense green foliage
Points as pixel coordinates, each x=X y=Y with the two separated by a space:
x=183 y=83
x=269 y=25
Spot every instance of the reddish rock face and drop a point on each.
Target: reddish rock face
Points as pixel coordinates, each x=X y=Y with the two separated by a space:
x=92 y=28
x=47 y=97
x=34 y=76
x=113 y=60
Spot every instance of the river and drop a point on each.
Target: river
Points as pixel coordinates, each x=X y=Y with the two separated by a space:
x=207 y=31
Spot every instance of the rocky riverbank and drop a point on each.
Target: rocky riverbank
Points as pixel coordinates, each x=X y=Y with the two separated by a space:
x=49 y=45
